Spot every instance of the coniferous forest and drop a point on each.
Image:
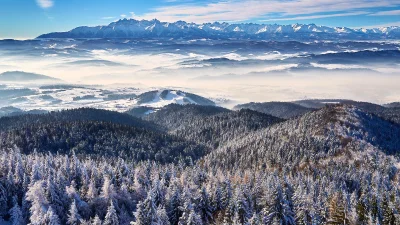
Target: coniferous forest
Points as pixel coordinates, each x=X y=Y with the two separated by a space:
x=200 y=165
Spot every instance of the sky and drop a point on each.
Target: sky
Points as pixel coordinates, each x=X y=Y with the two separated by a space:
x=24 y=19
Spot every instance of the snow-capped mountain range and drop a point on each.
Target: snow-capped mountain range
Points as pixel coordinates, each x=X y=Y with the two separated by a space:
x=131 y=28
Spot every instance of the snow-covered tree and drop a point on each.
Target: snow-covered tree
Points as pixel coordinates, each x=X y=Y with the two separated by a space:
x=52 y=218
x=111 y=216
x=16 y=215
x=96 y=220
x=73 y=216
x=204 y=206
x=39 y=204
x=162 y=217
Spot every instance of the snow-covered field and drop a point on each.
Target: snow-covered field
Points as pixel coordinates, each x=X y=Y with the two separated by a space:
x=58 y=97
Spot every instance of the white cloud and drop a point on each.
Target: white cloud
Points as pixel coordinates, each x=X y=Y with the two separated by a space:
x=45 y=3
x=380 y=25
x=387 y=13
x=242 y=10
x=318 y=16
x=108 y=18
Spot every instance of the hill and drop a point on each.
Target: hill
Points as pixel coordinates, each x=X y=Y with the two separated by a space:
x=283 y=110
x=73 y=115
x=209 y=125
x=161 y=98
x=393 y=105
x=19 y=76
x=97 y=133
x=328 y=132
x=13 y=111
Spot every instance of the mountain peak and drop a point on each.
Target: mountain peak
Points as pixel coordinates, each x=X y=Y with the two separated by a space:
x=132 y=28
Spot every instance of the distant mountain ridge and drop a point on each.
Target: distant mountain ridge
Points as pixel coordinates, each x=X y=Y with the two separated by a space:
x=131 y=28
x=20 y=76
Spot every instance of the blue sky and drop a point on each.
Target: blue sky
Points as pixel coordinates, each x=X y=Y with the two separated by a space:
x=30 y=18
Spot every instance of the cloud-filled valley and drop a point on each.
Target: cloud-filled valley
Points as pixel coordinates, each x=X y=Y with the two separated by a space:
x=238 y=70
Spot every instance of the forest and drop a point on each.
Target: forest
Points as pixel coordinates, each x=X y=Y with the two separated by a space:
x=199 y=165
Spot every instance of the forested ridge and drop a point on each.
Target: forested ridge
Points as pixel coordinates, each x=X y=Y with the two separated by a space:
x=198 y=165
x=82 y=114
x=212 y=126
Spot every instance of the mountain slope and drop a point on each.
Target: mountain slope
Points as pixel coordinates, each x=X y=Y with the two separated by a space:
x=283 y=110
x=13 y=111
x=330 y=131
x=211 y=126
x=96 y=133
x=155 y=29
x=319 y=103
x=161 y=98
x=73 y=115
x=386 y=112
x=19 y=76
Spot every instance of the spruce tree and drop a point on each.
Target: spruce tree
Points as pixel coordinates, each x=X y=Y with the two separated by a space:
x=111 y=216
x=96 y=220
x=204 y=206
x=73 y=216
x=52 y=217
x=337 y=211
x=16 y=215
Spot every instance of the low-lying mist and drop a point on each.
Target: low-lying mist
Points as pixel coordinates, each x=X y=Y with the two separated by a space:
x=242 y=72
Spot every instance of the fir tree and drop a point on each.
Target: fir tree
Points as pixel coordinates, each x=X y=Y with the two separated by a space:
x=204 y=206
x=337 y=211
x=52 y=217
x=111 y=216
x=16 y=215
x=39 y=203
x=73 y=216
x=146 y=213
x=96 y=220
x=162 y=217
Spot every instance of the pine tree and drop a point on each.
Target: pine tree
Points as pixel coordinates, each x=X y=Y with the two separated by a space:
x=111 y=216
x=226 y=193
x=254 y=220
x=337 y=212
x=362 y=215
x=52 y=217
x=16 y=215
x=96 y=220
x=73 y=216
x=279 y=209
x=146 y=213
x=162 y=216
x=236 y=219
x=187 y=210
x=194 y=219
x=107 y=190
x=241 y=206
x=157 y=194
x=217 y=199
x=174 y=212
x=204 y=206
x=388 y=217
x=39 y=203
x=92 y=190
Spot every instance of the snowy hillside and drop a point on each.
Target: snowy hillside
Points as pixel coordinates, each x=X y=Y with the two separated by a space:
x=160 y=98
x=58 y=97
x=155 y=29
